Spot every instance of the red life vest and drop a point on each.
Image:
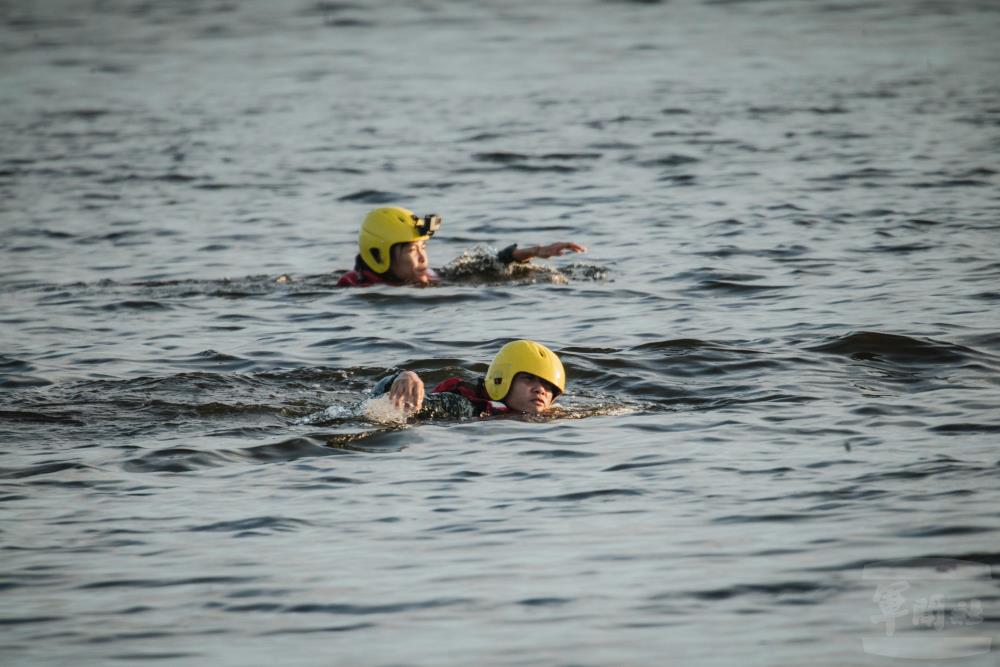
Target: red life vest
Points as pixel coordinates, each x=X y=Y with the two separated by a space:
x=475 y=394
x=363 y=278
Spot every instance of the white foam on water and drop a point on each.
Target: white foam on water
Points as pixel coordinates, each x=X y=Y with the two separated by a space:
x=381 y=410
x=333 y=412
x=605 y=410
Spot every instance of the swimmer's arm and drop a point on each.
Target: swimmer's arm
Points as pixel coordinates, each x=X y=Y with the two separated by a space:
x=407 y=392
x=440 y=405
x=382 y=386
x=514 y=254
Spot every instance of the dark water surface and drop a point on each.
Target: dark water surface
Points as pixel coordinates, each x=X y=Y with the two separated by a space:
x=783 y=346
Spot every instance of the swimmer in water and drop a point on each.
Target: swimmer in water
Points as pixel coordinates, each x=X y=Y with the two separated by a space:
x=392 y=248
x=525 y=377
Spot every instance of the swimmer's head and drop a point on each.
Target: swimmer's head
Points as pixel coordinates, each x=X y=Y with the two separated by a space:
x=395 y=238
x=526 y=376
x=410 y=263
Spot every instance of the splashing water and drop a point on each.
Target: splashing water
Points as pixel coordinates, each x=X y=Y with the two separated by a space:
x=579 y=407
x=599 y=411
x=382 y=411
x=330 y=414
x=480 y=265
x=379 y=410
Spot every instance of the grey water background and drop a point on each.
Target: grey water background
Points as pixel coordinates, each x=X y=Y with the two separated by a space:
x=787 y=375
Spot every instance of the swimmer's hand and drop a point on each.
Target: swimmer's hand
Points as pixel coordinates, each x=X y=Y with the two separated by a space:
x=407 y=392
x=543 y=251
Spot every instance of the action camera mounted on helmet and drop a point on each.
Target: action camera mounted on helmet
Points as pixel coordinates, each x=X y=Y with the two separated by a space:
x=428 y=225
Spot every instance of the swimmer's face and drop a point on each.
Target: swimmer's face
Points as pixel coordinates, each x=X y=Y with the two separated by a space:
x=409 y=262
x=530 y=393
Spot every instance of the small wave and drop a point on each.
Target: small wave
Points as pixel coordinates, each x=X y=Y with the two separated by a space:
x=134 y=304
x=40 y=469
x=678 y=344
x=556 y=168
x=764 y=518
x=329 y=170
x=373 y=197
x=259 y=525
x=678 y=179
x=672 y=160
x=162 y=294
x=22 y=381
x=557 y=453
x=88 y=114
x=971 y=563
x=966 y=428
x=483 y=136
x=979 y=171
x=840 y=135
x=732 y=287
x=502 y=157
x=328 y=7
x=354 y=609
x=30 y=416
x=175 y=459
x=941 y=468
x=535 y=163
x=217 y=359
x=418 y=299
x=324 y=629
x=588 y=495
x=546 y=601
x=866 y=345
x=295 y=448
x=944 y=531
x=901 y=248
x=792 y=592
x=348 y=23
x=866 y=173
x=779 y=110
x=165 y=583
x=779 y=253
x=600 y=124
x=647 y=464
x=29 y=620
x=381 y=441
x=614 y=145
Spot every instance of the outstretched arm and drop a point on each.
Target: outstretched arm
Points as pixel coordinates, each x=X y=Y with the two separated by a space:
x=543 y=251
x=407 y=392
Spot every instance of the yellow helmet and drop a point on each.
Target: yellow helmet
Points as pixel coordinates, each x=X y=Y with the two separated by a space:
x=523 y=356
x=385 y=227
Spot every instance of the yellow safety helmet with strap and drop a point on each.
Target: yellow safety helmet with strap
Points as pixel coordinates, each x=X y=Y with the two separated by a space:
x=385 y=227
x=523 y=356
